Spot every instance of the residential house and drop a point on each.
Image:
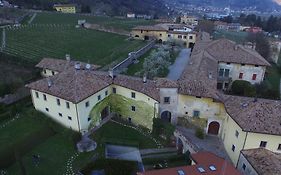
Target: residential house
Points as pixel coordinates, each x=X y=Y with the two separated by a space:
x=66 y=8
x=259 y=161
x=189 y=20
x=166 y=32
x=131 y=15
x=202 y=163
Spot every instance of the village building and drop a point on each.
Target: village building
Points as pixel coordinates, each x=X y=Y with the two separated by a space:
x=202 y=163
x=189 y=20
x=80 y=97
x=259 y=161
x=66 y=8
x=131 y=15
x=166 y=32
x=219 y=25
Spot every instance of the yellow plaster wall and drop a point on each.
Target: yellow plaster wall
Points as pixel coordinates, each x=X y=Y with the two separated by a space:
x=229 y=138
x=48 y=73
x=54 y=109
x=254 y=139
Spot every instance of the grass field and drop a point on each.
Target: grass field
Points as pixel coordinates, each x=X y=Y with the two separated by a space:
x=37 y=42
x=109 y=22
x=238 y=37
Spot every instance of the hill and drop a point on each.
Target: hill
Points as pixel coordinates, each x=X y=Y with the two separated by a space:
x=236 y=4
x=102 y=7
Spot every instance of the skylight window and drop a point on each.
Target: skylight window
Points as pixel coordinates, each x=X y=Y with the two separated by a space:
x=201 y=170
x=181 y=172
x=212 y=168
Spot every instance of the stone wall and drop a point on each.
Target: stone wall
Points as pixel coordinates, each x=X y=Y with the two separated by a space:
x=132 y=57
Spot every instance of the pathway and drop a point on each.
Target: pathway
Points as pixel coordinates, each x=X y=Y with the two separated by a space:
x=177 y=68
x=209 y=143
x=280 y=87
x=3 y=39
x=32 y=18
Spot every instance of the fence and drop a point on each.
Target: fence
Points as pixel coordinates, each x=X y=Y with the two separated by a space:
x=132 y=57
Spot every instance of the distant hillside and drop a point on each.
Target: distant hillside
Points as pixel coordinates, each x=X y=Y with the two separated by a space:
x=108 y=7
x=259 y=4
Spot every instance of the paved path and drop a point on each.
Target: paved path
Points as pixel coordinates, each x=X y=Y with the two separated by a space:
x=210 y=143
x=280 y=88
x=32 y=18
x=177 y=68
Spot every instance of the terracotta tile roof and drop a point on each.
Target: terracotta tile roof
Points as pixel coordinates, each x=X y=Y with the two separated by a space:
x=224 y=50
x=60 y=65
x=150 y=28
x=264 y=161
x=255 y=115
x=76 y=85
x=181 y=32
x=203 y=160
x=166 y=83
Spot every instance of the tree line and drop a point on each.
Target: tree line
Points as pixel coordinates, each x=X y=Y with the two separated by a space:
x=271 y=24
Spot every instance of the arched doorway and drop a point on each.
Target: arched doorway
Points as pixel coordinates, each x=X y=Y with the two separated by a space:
x=191 y=45
x=105 y=112
x=166 y=116
x=160 y=41
x=214 y=128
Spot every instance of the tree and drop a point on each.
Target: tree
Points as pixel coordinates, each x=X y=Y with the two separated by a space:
x=206 y=26
x=262 y=44
x=228 y=19
x=243 y=88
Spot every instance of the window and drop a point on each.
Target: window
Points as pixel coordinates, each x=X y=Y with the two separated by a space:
x=226 y=73
x=99 y=97
x=240 y=75
x=244 y=166
x=233 y=148
x=106 y=93
x=44 y=97
x=190 y=37
x=242 y=64
x=67 y=105
x=47 y=109
x=196 y=113
x=133 y=95
x=167 y=100
x=221 y=71
x=279 y=147
x=89 y=119
x=114 y=90
x=263 y=144
x=236 y=133
x=228 y=63
x=141 y=31
x=37 y=94
x=53 y=73
x=87 y=104
x=133 y=108
x=58 y=101
x=160 y=34
x=254 y=77
x=60 y=114
x=256 y=65
x=198 y=97
x=184 y=36
x=69 y=118
x=179 y=36
x=45 y=71
x=169 y=35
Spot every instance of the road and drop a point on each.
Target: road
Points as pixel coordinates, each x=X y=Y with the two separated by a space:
x=177 y=68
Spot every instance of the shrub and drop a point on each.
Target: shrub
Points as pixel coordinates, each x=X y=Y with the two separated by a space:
x=200 y=133
x=244 y=88
x=163 y=128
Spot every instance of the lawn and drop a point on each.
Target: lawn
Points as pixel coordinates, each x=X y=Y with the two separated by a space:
x=108 y=22
x=117 y=134
x=36 y=42
x=238 y=37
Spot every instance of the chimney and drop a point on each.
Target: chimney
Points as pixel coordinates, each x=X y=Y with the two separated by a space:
x=144 y=79
x=88 y=66
x=49 y=82
x=77 y=66
x=254 y=46
x=236 y=47
x=210 y=75
x=67 y=57
x=111 y=74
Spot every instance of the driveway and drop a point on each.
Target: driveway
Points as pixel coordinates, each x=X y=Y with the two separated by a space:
x=210 y=143
x=177 y=68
